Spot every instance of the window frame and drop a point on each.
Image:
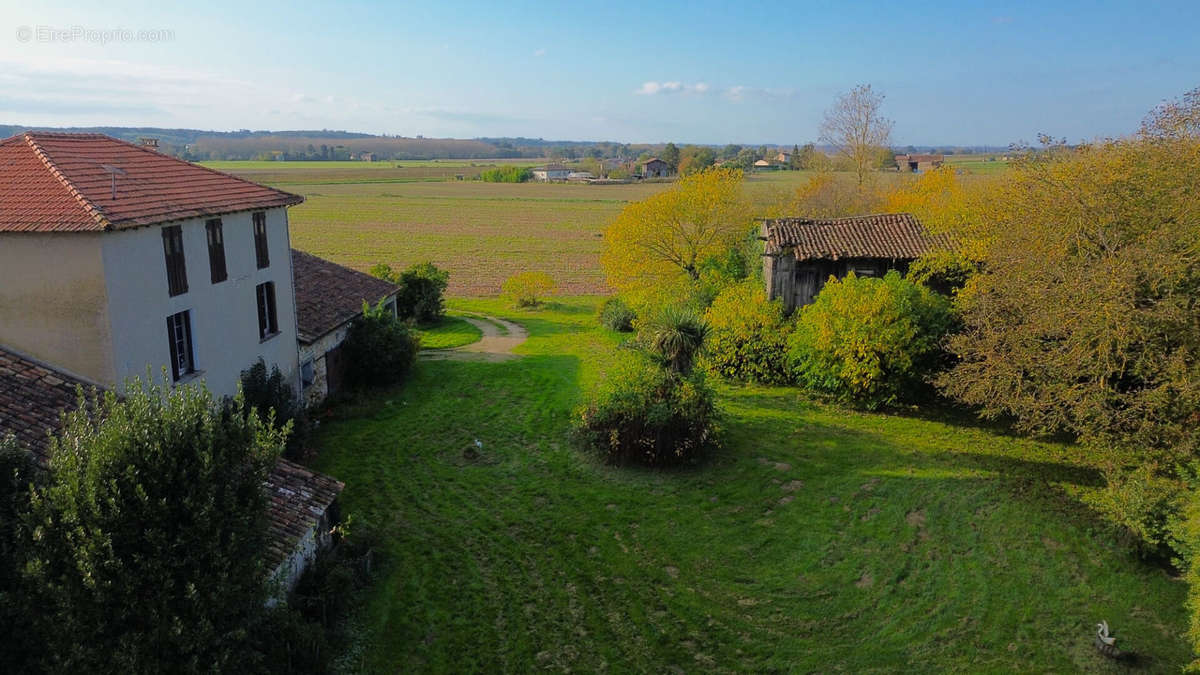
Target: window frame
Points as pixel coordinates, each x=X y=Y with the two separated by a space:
x=179 y=334
x=268 y=315
x=215 y=235
x=262 y=253
x=175 y=260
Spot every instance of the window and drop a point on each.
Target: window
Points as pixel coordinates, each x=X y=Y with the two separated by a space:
x=267 y=324
x=173 y=251
x=307 y=373
x=861 y=272
x=260 y=240
x=179 y=337
x=216 y=250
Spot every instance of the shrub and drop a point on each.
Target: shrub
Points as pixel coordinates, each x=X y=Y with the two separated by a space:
x=18 y=649
x=869 y=341
x=614 y=314
x=150 y=533
x=422 y=290
x=748 y=336
x=675 y=336
x=649 y=415
x=506 y=174
x=379 y=349
x=266 y=391
x=527 y=288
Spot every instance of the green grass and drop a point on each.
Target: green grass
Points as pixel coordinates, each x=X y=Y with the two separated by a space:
x=451 y=331
x=817 y=539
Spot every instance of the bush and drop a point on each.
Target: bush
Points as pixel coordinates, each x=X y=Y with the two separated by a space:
x=150 y=533
x=422 y=290
x=748 y=336
x=870 y=341
x=614 y=314
x=18 y=649
x=265 y=392
x=507 y=174
x=379 y=349
x=527 y=288
x=649 y=415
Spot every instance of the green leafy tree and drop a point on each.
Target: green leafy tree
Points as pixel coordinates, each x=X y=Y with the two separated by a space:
x=670 y=155
x=422 y=290
x=873 y=342
x=148 y=534
x=379 y=349
x=18 y=605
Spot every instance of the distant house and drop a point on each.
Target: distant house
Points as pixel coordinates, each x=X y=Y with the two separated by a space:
x=655 y=168
x=328 y=299
x=783 y=157
x=919 y=163
x=801 y=254
x=764 y=164
x=581 y=175
x=367 y=156
x=551 y=172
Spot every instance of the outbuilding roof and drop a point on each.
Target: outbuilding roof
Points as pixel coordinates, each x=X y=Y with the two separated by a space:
x=894 y=236
x=60 y=182
x=329 y=295
x=33 y=396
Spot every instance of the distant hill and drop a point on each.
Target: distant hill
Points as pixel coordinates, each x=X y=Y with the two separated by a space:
x=326 y=144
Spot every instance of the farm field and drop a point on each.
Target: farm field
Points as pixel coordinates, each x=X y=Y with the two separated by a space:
x=818 y=538
x=979 y=164
x=359 y=214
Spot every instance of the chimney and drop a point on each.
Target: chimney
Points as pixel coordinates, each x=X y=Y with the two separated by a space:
x=148 y=142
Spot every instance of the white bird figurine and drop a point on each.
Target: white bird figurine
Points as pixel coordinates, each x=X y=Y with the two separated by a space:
x=1106 y=644
x=478 y=443
x=1102 y=633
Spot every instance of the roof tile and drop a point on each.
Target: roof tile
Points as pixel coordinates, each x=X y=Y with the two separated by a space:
x=885 y=235
x=328 y=294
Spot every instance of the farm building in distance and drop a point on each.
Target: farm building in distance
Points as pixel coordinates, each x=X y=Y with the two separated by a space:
x=919 y=163
x=655 y=168
x=551 y=172
x=801 y=253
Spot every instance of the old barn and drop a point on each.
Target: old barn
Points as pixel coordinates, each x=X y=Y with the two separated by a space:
x=801 y=254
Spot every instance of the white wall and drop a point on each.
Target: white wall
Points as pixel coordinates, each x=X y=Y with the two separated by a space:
x=52 y=301
x=224 y=316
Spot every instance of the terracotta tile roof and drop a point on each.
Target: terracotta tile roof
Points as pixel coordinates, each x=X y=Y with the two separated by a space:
x=59 y=182
x=887 y=235
x=329 y=295
x=32 y=396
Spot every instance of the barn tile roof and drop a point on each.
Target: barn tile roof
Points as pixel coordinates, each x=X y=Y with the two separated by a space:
x=885 y=235
x=60 y=182
x=32 y=396
x=328 y=295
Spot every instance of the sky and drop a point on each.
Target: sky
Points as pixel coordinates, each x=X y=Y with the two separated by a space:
x=953 y=73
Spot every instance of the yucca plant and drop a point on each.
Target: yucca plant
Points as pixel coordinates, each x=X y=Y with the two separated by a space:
x=675 y=337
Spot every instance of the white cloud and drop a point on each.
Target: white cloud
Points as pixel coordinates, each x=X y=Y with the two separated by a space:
x=674 y=87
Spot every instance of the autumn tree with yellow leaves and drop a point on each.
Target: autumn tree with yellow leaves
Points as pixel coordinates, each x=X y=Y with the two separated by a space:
x=660 y=244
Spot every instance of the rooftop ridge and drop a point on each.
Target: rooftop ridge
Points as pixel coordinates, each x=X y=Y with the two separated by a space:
x=94 y=211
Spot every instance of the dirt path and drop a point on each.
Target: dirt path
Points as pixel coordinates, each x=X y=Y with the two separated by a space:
x=499 y=338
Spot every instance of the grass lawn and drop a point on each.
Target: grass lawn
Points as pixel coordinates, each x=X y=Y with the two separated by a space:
x=451 y=331
x=817 y=539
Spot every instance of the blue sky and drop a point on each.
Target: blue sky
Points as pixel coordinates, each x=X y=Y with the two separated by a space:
x=704 y=72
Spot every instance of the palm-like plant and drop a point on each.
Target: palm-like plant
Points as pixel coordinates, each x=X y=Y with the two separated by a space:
x=675 y=337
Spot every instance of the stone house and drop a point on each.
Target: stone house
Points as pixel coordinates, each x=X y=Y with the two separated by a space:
x=328 y=298
x=655 y=168
x=802 y=254
x=116 y=260
x=551 y=172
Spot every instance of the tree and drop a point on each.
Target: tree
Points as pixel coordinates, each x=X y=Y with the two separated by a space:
x=149 y=532
x=794 y=158
x=379 y=349
x=670 y=155
x=675 y=335
x=857 y=129
x=696 y=159
x=18 y=649
x=660 y=242
x=527 y=288
x=422 y=287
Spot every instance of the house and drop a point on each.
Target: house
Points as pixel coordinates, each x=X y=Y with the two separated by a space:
x=366 y=157
x=655 y=168
x=581 y=176
x=551 y=172
x=301 y=504
x=115 y=258
x=783 y=157
x=919 y=163
x=328 y=298
x=763 y=164
x=801 y=254
x=116 y=261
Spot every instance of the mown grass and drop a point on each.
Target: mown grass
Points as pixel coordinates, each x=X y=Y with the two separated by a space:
x=817 y=539
x=451 y=331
